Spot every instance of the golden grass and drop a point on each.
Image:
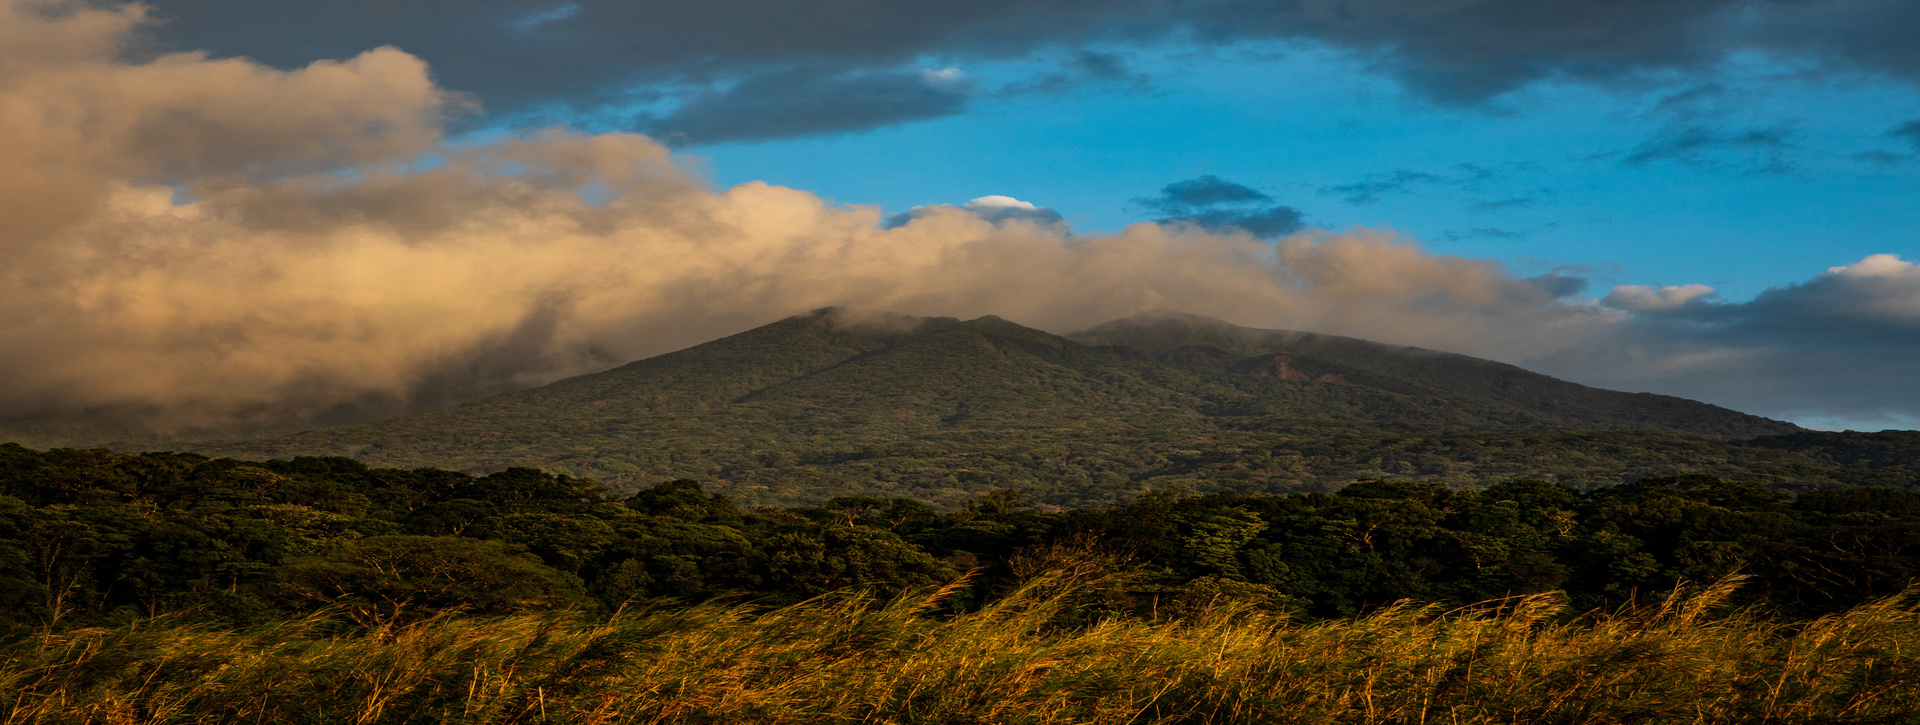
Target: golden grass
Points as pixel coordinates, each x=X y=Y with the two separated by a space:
x=854 y=660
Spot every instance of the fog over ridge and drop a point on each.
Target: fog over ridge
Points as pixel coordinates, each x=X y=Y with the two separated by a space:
x=194 y=240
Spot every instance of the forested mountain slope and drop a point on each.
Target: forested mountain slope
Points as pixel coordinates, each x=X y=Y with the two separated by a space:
x=1201 y=341
x=827 y=404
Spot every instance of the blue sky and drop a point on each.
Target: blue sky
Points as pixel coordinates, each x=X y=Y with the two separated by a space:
x=222 y=211
x=1542 y=177
x=1737 y=144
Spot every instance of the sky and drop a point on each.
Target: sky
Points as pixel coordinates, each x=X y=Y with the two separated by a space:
x=327 y=211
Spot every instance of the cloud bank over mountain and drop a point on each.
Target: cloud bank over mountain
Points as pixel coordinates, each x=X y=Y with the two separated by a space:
x=726 y=56
x=194 y=239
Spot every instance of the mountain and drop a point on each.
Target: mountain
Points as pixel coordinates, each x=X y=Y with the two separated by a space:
x=831 y=403
x=1193 y=340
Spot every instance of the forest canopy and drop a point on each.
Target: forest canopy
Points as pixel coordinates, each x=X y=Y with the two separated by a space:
x=92 y=537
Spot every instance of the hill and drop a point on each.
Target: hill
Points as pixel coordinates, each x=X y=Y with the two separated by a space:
x=1201 y=341
x=938 y=409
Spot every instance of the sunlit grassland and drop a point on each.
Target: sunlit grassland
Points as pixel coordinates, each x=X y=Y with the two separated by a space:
x=1022 y=659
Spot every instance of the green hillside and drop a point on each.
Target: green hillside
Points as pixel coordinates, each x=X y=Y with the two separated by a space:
x=1200 y=341
x=939 y=410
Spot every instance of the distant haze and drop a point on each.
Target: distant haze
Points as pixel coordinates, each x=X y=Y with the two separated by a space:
x=195 y=241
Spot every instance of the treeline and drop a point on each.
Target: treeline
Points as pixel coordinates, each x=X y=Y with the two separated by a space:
x=93 y=537
x=1086 y=464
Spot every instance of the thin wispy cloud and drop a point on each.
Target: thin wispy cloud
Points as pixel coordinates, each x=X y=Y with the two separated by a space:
x=1371 y=189
x=1514 y=202
x=1909 y=132
x=1463 y=177
x=1752 y=150
x=1482 y=233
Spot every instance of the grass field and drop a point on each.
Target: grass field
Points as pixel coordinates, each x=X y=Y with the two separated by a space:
x=849 y=659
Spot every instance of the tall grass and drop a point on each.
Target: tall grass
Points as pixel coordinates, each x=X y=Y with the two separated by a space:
x=849 y=659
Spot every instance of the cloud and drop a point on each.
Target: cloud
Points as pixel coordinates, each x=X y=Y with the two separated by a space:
x=1370 y=190
x=1881 y=158
x=1872 y=35
x=1910 y=132
x=1210 y=202
x=1560 y=286
x=1268 y=223
x=193 y=240
x=1695 y=101
x=1082 y=68
x=996 y=209
x=990 y=209
x=1840 y=348
x=519 y=54
x=1516 y=202
x=1755 y=150
x=595 y=55
x=1876 y=266
x=805 y=102
x=1182 y=197
x=1468 y=178
x=1481 y=233
x=1638 y=298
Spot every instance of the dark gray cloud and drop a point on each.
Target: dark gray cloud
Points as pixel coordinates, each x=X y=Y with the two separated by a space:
x=1560 y=286
x=1080 y=69
x=1754 y=150
x=1182 y=197
x=805 y=102
x=597 y=54
x=1466 y=52
x=1210 y=202
x=520 y=55
x=1873 y=35
x=1848 y=339
x=1268 y=223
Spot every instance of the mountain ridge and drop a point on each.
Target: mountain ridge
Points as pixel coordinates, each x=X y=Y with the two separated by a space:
x=836 y=402
x=1409 y=369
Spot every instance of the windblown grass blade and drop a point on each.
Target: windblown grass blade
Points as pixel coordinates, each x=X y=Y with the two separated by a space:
x=852 y=659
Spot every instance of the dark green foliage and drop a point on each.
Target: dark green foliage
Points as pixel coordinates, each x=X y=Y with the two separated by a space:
x=97 y=537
